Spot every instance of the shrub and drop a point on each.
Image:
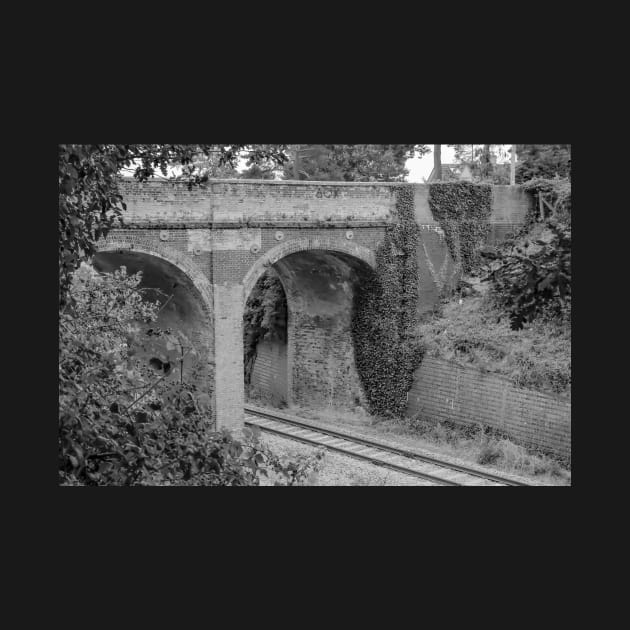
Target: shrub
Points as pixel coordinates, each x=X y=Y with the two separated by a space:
x=535 y=281
x=488 y=454
x=121 y=423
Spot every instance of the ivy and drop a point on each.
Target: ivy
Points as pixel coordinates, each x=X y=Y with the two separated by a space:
x=265 y=317
x=385 y=312
x=463 y=210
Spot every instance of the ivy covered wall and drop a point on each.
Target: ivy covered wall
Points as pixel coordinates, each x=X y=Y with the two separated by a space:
x=385 y=314
x=264 y=318
x=463 y=211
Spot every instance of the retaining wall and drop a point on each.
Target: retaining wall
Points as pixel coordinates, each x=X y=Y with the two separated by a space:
x=443 y=390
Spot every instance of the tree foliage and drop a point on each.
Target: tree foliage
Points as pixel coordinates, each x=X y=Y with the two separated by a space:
x=352 y=162
x=265 y=317
x=483 y=162
x=543 y=161
x=533 y=278
x=207 y=167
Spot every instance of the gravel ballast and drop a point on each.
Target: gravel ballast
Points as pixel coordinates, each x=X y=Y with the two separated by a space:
x=340 y=470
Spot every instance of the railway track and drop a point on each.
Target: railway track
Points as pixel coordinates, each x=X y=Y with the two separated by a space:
x=400 y=460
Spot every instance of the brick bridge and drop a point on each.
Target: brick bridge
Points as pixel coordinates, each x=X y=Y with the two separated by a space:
x=207 y=248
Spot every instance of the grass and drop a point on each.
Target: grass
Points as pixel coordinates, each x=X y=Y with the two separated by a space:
x=475 y=333
x=475 y=444
x=484 y=446
x=264 y=398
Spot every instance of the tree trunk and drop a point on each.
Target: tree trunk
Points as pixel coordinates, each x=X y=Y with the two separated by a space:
x=437 y=161
x=485 y=161
x=513 y=166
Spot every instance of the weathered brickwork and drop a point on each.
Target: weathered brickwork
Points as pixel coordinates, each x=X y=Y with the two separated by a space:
x=269 y=372
x=229 y=396
x=229 y=202
x=436 y=269
x=322 y=363
x=224 y=236
x=443 y=390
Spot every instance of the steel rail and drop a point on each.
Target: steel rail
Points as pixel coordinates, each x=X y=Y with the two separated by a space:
x=372 y=460
x=385 y=447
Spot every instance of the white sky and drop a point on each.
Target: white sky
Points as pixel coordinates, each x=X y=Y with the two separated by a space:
x=419 y=168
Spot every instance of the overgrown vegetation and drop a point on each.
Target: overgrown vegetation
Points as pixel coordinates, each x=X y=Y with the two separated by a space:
x=488 y=447
x=542 y=161
x=122 y=422
x=265 y=317
x=384 y=314
x=519 y=324
x=473 y=443
x=532 y=278
x=463 y=210
x=478 y=333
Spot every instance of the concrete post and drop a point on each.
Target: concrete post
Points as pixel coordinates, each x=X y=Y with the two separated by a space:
x=228 y=347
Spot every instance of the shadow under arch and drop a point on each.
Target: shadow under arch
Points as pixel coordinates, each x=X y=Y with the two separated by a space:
x=320 y=278
x=300 y=245
x=188 y=268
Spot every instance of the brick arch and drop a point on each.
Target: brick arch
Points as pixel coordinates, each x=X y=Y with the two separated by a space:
x=188 y=268
x=300 y=245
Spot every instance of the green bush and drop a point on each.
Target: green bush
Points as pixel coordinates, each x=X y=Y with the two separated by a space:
x=123 y=423
x=533 y=282
x=556 y=191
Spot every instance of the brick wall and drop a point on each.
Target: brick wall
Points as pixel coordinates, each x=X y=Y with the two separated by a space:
x=229 y=395
x=322 y=364
x=445 y=391
x=225 y=202
x=221 y=234
x=269 y=372
x=229 y=203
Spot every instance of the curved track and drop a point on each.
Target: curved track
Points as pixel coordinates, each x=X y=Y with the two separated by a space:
x=400 y=460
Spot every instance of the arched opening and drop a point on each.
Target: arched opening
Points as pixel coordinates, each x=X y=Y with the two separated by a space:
x=265 y=342
x=183 y=311
x=305 y=357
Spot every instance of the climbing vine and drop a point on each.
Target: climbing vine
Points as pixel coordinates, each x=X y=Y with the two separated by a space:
x=265 y=317
x=384 y=315
x=463 y=211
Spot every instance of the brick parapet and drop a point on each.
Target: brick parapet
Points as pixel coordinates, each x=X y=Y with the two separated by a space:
x=257 y=203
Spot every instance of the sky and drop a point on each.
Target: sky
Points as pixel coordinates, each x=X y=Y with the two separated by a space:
x=420 y=168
